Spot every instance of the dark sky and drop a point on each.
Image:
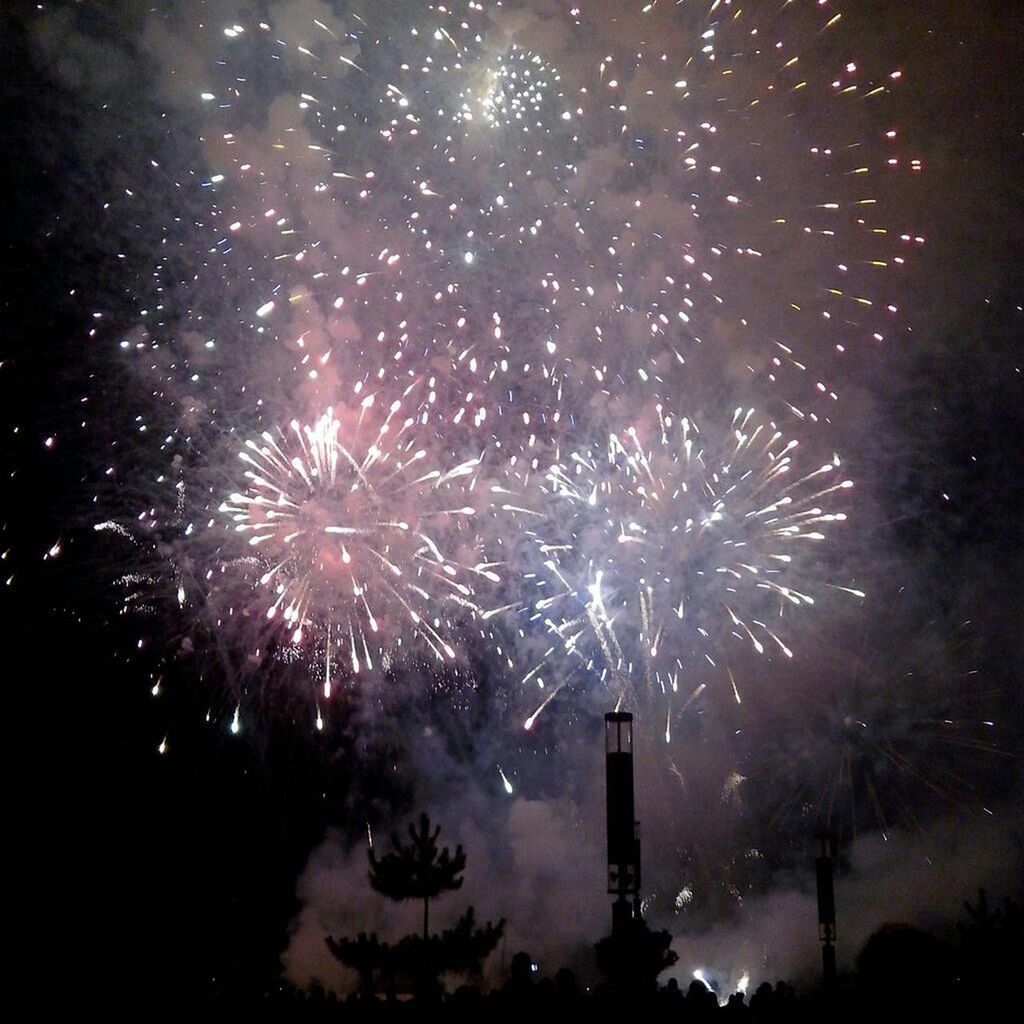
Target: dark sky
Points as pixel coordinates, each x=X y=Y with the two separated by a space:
x=226 y=856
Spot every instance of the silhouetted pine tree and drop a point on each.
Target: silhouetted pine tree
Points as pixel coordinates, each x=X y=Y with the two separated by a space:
x=417 y=869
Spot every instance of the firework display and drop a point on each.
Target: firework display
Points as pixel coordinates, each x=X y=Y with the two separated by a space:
x=396 y=387
x=481 y=252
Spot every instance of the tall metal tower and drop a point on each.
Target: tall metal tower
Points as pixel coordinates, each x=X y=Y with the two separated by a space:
x=826 y=912
x=623 y=828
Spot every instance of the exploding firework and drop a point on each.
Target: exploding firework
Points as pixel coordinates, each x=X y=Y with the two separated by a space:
x=355 y=537
x=667 y=548
x=878 y=743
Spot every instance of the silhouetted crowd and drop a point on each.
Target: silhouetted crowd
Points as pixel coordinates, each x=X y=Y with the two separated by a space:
x=526 y=999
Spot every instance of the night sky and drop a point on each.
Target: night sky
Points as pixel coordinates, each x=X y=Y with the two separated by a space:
x=532 y=231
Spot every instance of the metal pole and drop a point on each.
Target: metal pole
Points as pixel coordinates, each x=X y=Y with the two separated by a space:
x=826 y=911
